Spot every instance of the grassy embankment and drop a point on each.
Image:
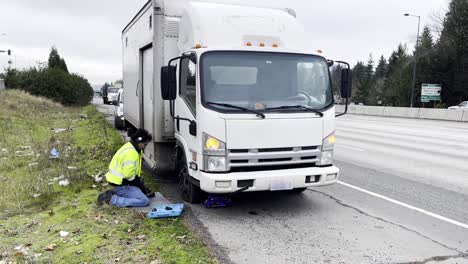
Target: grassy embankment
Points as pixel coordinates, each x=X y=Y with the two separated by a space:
x=35 y=208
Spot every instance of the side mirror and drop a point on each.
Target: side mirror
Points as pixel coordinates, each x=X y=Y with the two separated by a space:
x=346 y=83
x=193 y=128
x=168 y=82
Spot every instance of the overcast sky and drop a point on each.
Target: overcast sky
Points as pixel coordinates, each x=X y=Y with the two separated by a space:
x=87 y=32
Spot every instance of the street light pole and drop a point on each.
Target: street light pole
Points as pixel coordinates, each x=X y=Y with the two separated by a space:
x=415 y=58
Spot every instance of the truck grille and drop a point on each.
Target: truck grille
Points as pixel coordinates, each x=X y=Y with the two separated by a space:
x=272 y=158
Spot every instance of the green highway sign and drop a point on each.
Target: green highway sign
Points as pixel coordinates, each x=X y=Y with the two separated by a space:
x=430 y=92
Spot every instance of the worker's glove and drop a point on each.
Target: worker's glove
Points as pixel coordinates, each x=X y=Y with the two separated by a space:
x=143 y=188
x=135 y=182
x=146 y=190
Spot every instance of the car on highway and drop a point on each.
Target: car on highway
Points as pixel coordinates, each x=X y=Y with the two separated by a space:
x=119 y=120
x=462 y=106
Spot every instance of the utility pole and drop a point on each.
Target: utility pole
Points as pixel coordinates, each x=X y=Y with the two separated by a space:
x=415 y=58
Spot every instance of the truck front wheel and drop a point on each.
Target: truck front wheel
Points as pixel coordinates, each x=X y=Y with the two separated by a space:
x=190 y=192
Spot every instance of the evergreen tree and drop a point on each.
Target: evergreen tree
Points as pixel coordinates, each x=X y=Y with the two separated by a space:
x=364 y=77
x=379 y=81
x=359 y=72
x=63 y=65
x=397 y=87
x=425 y=64
x=452 y=54
x=55 y=61
x=381 y=69
x=368 y=84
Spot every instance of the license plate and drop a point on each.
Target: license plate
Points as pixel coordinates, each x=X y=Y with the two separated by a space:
x=281 y=185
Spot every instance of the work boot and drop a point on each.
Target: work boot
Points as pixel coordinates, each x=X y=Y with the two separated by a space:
x=105 y=197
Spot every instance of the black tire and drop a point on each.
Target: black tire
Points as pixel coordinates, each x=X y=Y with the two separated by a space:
x=190 y=192
x=119 y=123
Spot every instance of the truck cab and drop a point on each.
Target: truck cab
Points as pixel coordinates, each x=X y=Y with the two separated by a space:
x=113 y=95
x=247 y=104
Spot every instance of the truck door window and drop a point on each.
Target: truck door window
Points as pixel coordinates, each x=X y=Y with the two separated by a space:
x=188 y=79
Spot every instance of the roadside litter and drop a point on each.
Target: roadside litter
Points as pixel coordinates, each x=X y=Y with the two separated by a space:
x=54 y=154
x=97 y=177
x=4 y=151
x=64 y=183
x=60 y=179
x=23 y=153
x=59 y=130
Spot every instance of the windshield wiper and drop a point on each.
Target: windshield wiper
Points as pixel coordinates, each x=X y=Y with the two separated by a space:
x=296 y=106
x=238 y=107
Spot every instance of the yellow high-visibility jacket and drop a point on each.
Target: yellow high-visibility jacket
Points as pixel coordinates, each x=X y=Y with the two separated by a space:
x=126 y=164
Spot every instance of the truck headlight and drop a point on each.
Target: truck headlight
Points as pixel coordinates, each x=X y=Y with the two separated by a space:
x=215 y=164
x=328 y=144
x=213 y=146
x=214 y=154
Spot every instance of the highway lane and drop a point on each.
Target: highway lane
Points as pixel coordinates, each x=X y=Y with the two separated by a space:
x=406 y=160
x=338 y=224
x=426 y=151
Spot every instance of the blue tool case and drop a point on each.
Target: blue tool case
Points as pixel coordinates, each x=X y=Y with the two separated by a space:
x=166 y=210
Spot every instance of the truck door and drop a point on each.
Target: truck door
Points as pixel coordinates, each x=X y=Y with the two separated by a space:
x=186 y=103
x=147 y=97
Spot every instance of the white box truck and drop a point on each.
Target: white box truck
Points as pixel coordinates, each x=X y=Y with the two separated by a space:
x=234 y=96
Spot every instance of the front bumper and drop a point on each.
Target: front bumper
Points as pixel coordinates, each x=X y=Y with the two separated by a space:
x=268 y=180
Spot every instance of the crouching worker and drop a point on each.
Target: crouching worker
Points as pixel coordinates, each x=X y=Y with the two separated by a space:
x=124 y=174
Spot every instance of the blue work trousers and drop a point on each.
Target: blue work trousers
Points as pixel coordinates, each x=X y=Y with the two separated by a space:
x=129 y=196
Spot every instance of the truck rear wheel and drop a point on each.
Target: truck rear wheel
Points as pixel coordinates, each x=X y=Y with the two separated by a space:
x=119 y=123
x=190 y=192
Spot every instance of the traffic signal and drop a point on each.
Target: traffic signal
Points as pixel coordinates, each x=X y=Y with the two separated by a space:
x=9 y=52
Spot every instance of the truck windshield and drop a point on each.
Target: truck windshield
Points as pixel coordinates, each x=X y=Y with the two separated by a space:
x=113 y=90
x=265 y=81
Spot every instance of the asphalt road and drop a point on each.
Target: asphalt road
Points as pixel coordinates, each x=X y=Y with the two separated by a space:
x=402 y=198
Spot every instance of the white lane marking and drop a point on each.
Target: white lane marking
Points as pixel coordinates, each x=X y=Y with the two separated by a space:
x=341 y=146
x=445 y=219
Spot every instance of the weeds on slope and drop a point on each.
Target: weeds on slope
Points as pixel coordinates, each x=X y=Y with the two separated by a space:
x=47 y=202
